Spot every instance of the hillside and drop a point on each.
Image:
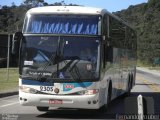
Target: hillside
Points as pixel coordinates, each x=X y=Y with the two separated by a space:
x=145 y=18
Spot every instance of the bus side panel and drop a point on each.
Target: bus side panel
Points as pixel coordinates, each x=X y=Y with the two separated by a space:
x=117 y=73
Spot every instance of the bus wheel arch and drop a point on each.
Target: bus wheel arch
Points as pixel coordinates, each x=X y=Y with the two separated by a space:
x=39 y=108
x=132 y=79
x=129 y=85
x=109 y=94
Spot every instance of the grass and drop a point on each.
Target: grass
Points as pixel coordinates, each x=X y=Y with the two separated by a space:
x=149 y=66
x=8 y=83
x=155 y=68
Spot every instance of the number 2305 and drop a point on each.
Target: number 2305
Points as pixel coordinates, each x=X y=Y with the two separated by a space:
x=46 y=88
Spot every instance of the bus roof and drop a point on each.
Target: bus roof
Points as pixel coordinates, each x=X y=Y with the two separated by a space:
x=66 y=10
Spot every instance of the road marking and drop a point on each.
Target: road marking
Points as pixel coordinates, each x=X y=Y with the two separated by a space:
x=151 y=85
x=9 y=104
x=8 y=101
x=10 y=97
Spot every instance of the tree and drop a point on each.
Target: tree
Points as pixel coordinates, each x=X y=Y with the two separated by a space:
x=145 y=20
x=33 y=3
x=11 y=17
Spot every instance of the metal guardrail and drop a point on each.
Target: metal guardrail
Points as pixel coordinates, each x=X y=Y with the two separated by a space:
x=139 y=108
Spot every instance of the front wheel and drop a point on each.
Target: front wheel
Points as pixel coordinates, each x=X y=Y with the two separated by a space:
x=42 y=108
x=105 y=107
x=129 y=87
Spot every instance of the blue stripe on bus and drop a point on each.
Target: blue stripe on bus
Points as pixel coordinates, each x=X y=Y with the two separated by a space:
x=38 y=83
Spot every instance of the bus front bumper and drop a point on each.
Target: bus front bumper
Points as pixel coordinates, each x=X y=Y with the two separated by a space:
x=62 y=101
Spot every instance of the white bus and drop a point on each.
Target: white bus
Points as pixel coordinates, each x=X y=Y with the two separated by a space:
x=74 y=57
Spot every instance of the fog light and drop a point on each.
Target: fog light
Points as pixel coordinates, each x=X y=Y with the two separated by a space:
x=94 y=101
x=89 y=102
x=20 y=98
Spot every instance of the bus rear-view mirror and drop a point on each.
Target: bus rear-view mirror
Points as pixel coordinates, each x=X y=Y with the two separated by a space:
x=16 y=42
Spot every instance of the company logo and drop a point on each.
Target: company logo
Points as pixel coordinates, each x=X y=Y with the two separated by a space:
x=69 y=86
x=56 y=90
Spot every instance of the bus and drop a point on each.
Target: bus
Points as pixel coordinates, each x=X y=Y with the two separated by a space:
x=74 y=57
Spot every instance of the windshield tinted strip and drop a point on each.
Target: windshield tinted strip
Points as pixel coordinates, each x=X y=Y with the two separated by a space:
x=38 y=83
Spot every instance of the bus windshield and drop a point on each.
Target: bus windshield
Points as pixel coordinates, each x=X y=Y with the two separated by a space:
x=62 y=24
x=60 y=58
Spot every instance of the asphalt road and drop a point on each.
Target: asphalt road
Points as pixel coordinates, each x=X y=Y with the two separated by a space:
x=146 y=85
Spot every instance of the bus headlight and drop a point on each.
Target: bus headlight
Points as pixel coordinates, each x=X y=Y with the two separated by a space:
x=27 y=90
x=88 y=92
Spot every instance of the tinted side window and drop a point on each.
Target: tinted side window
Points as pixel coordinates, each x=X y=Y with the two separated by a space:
x=117 y=33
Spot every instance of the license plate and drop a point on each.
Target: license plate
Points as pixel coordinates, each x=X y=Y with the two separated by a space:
x=52 y=101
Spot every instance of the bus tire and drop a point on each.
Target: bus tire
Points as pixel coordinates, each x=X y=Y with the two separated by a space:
x=42 y=108
x=109 y=93
x=129 y=85
x=105 y=106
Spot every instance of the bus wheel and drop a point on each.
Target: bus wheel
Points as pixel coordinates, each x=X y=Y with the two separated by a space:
x=42 y=108
x=105 y=107
x=129 y=86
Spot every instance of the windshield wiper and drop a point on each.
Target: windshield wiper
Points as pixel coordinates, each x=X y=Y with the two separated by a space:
x=70 y=66
x=54 y=58
x=74 y=69
x=42 y=79
x=44 y=67
x=65 y=68
x=59 y=56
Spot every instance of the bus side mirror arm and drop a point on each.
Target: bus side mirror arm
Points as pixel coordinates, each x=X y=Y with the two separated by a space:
x=17 y=37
